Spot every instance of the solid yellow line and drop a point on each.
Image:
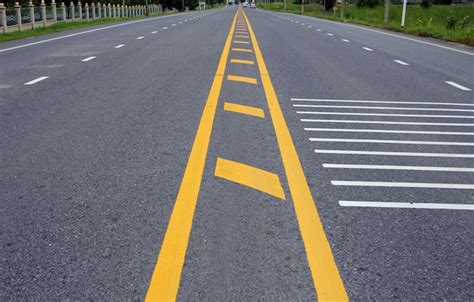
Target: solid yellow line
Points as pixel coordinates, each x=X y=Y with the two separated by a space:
x=240 y=36
x=327 y=281
x=247 y=80
x=242 y=49
x=249 y=176
x=249 y=110
x=237 y=61
x=166 y=277
x=241 y=42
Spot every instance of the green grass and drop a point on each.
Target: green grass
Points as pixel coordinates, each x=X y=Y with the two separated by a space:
x=429 y=22
x=60 y=26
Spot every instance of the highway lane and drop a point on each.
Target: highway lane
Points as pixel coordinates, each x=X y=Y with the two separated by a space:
x=95 y=157
x=382 y=253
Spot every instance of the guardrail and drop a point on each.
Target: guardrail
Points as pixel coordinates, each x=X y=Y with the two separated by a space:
x=22 y=18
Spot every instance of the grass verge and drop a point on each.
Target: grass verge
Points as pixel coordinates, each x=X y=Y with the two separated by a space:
x=431 y=22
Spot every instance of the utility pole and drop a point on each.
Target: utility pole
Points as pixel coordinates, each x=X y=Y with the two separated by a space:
x=182 y=4
x=386 y=17
x=146 y=7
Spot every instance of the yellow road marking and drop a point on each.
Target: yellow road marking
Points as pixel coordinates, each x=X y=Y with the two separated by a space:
x=242 y=49
x=249 y=176
x=240 y=36
x=249 y=110
x=241 y=32
x=237 y=61
x=247 y=80
x=241 y=42
x=165 y=280
x=326 y=278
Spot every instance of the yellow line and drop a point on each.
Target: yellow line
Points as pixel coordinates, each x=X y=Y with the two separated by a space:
x=242 y=49
x=237 y=61
x=247 y=80
x=249 y=176
x=241 y=42
x=327 y=281
x=240 y=36
x=165 y=280
x=249 y=110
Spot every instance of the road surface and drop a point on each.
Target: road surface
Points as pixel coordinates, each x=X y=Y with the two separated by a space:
x=236 y=155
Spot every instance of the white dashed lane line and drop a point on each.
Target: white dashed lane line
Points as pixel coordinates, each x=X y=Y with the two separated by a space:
x=345 y=40
x=154 y=32
x=368 y=49
x=88 y=59
x=463 y=88
x=318 y=29
x=141 y=37
x=120 y=46
x=173 y=24
x=329 y=34
x=165 y=27
x=36 y=81
x=401 y=62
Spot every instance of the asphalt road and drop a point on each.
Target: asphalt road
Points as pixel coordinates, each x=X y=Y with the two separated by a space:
x=223 y=155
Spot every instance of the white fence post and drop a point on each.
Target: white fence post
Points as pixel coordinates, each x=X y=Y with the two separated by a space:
x=109 y=8
x=71 y=5
x=63 y=8
x=79 y=7
x=43 y=12
x=32 y=14
x=18 y=15
x=3 y=16
x=93 y=10
x=55 y=13
x=86 y=8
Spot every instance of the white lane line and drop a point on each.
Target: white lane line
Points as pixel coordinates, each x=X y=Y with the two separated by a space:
x=173 y=24
x=401 y=62
x=302 y=24
x=329 y=34
x=141 y=37
x=120 y=46
x=186 y=20
x=88 y=59
x=384 y=114
x=318 y=29
x=382 y=108
x=345 y=40
x=386 y=141
x=395 y=167
x=392 y=35
x=388 y=131
x=35 y=81
x=463 y=88
x=406 y=205
x=154 y=32
x=368 y=49
x=165 y=27
x=85 y=32
x=180 y=22
x=383 y=153
x=309 y=26
x=387 y=123
x=381 y=102
x=387 y=184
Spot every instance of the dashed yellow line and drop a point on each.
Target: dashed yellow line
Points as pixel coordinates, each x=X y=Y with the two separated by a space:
x=247 y=80
x=249 y=176
x=326 y=278
x=238 y=61
x=242 y=49
x=166 y=276
x=244 y=109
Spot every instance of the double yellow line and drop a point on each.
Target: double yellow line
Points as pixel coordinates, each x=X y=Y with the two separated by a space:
x=165 y=280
